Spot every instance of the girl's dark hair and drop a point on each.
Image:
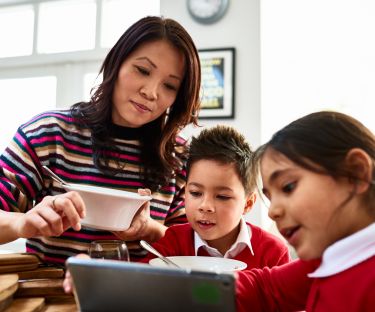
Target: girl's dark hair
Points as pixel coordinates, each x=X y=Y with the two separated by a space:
x=158 y=138
x=320 y=142
x=225 y=145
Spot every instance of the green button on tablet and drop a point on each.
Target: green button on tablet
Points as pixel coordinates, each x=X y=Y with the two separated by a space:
x=206 y=293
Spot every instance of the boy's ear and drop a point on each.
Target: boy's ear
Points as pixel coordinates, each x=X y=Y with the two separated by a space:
x=360 y=164
x=250 y=201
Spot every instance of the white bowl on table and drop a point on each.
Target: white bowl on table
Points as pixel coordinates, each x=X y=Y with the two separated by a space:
x=108 y=209
x=198 y=263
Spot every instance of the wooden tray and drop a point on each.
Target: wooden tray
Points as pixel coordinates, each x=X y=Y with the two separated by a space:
x=26 y=305
x=11 y=263
x=6 y=303
x=19 y=258
x=61 y=304
x=40 y=288
x=41 y=273
x=17 y=268
x=8 y=286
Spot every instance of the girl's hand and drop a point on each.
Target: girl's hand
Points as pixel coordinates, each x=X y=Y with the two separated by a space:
x=68 y=281
x=142 y=226
x=52 y=216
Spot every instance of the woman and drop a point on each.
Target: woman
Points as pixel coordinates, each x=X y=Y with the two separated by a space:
x=125 y=137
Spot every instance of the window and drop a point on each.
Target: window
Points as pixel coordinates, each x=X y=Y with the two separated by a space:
x=72 y=21
x=90 y=81
x=18 y=41
x=24 y=90
x=118 y=15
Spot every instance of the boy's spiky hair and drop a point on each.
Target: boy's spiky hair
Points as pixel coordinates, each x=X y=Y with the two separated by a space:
x=226 y=145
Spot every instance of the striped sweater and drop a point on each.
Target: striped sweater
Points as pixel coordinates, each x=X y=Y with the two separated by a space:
x=53 y=139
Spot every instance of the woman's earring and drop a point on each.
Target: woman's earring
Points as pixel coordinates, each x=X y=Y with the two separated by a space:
x=167 y=115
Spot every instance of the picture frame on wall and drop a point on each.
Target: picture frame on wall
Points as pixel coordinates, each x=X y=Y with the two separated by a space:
x=217 y=90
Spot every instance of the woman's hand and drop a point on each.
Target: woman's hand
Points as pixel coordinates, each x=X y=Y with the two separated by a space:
x=68 y=281
x=142 y=226
x=52 y=216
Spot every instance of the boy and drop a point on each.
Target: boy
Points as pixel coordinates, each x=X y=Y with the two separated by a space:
x=219 y=191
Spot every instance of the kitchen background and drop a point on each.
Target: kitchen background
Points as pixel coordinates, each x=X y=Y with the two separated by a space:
x=292 y=57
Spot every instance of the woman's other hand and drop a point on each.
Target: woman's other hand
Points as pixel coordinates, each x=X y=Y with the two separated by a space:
x=52 y=216
x=143 y=226
x=68 y=281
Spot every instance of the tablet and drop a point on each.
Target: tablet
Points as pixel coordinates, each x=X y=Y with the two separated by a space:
x=109 y=285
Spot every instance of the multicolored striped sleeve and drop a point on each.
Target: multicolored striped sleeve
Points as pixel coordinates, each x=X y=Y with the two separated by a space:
x=20 y=180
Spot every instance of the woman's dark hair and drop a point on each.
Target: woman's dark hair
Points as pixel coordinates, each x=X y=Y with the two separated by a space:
x=320 y=142
x=158 y=138
x=224 y=145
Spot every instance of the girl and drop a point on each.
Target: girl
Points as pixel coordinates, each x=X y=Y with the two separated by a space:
x=318 y=174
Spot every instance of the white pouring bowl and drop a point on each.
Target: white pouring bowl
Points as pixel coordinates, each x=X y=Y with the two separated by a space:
x=108 y=209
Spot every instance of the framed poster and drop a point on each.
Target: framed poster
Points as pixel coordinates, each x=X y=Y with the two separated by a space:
x=217 y=91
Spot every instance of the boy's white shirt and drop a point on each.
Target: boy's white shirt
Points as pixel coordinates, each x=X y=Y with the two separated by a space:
x=243 y=241
x=347 y=253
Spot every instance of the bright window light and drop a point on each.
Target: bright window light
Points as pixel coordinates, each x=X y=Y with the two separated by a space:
x=90 y=82
x=316 y=55
x=118 y=15
x=66 y=26
x=16 y=30
x=22 y=99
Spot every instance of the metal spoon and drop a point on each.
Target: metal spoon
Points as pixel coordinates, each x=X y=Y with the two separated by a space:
x=151 y=249
x=54 y=176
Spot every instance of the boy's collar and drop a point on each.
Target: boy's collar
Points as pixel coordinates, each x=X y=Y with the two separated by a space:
x=243 y=241
x=347 y=252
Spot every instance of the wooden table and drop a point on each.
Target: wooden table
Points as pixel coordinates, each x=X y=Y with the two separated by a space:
x=27 y=285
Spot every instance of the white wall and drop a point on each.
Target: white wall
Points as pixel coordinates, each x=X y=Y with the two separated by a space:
x=310 y=66
x=239 y=28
